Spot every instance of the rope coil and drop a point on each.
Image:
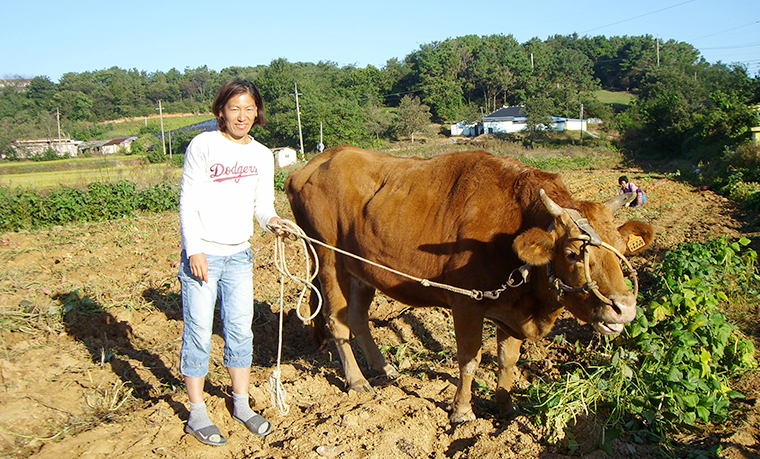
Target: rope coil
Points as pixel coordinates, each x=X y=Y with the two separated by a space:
x=277 y=390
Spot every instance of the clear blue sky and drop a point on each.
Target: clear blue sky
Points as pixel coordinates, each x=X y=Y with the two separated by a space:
x=45 y=37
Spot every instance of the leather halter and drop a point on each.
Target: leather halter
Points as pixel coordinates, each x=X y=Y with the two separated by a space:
x=589 y=237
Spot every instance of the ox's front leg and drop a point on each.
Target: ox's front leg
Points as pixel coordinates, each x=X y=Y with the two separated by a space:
x=358 y=318
x=336 y=293
x=509 y=352
x=468 y=328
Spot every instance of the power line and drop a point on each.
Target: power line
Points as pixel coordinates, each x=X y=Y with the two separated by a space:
x=724 y=31
x=636 y=17
x=748 y=45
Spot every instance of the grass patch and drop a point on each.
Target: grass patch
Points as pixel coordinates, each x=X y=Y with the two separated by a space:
x=81 y=171
x=27 y=167
x=614 y=97
x=152 y=125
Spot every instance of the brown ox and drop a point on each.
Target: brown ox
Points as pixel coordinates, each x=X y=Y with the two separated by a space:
x=468 y=220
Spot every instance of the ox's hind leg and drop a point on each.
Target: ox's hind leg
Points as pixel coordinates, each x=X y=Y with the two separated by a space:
x=468 y=328
x=509 y=352
x=358 y=318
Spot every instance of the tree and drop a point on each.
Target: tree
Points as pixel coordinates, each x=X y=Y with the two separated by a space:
x=413 y=116
x=668 y=101
x=41 y=91
x=74 y=105
x=440 y=66
x=379 y=121
x=539 y=108
x=724 y=119
x=497 y=60
x=201 y=82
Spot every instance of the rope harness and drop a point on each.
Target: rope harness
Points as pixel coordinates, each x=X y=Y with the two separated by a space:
x=589 y=238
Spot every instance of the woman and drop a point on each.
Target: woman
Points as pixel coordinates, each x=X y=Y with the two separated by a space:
x=630 y=187
x=227 y=181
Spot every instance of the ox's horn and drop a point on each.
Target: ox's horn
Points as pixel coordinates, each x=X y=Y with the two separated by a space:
x=619 y=201
x=550 y=205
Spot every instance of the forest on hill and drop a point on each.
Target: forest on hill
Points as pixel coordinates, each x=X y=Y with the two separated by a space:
x=683 y=105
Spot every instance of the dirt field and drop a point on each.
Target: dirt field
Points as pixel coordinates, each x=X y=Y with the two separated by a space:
x=104 y=381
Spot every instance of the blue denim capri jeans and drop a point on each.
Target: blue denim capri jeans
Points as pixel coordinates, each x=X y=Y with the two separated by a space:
x=230 y=279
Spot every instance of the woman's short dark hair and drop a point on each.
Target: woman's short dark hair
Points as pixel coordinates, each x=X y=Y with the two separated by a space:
x=622 y=179
x=232 y=88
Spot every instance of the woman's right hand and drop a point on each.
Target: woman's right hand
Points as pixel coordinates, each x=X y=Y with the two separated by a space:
x=199 y=266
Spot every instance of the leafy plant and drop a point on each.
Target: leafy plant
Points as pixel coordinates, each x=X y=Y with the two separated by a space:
x=671 y=368
x=27 y=209
x=164 y=196
x=65 y=205
x=110 y=200
x=279 y=180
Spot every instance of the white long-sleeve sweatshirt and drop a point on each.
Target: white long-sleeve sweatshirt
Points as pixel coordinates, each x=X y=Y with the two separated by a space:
x=224 y=186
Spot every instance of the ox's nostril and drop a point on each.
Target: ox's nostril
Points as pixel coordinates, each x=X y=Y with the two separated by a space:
x=624 y=309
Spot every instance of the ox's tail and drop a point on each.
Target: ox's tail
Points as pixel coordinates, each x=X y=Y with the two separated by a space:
x=319 y=331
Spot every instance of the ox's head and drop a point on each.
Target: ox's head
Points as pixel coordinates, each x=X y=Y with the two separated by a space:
x=584 y=254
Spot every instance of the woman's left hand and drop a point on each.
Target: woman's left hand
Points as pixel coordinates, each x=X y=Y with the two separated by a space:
x=274 y=225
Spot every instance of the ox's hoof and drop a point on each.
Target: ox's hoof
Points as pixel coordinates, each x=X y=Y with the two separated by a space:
x=361 y=386
x=460 y=417
x=391 y=372
x=504 y=401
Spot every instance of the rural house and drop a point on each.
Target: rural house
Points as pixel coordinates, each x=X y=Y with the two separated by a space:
x=505 y=119
x=107 y=147
x=512 y=119
x=64 y=147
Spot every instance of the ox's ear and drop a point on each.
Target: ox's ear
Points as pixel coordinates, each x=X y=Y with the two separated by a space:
x=637 y=236
x=535 y=247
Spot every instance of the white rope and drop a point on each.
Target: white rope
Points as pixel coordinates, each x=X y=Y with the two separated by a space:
x=279 y=394
x=476 y=294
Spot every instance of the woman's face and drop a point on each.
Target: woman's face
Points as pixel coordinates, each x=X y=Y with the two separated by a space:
x=239 y=114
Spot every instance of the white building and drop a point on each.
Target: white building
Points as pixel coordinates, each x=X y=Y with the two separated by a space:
x=513 y=119
x=284 y=156
x=108 y=147
x=505 y=120
x=466 y=129
x=27 y=148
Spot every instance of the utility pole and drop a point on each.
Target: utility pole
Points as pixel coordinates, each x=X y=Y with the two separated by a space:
x=320 y=146
x=161 y=117
x=581 y=124
x=58 y=121
x=658 y=52
x=298 y=113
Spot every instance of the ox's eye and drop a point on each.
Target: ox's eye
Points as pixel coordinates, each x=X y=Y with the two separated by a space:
x=572 y=255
